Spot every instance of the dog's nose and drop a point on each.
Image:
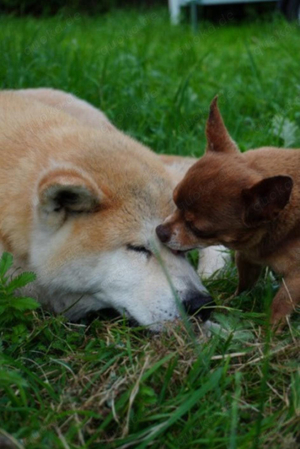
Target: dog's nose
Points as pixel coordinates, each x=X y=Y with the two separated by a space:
x=163 y=233
x=200 y=305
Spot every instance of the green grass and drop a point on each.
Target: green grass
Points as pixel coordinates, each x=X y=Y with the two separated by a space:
x=101 y=384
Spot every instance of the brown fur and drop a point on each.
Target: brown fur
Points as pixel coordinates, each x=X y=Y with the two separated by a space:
x=249 y=202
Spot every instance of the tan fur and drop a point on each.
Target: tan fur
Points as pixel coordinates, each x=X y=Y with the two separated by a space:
x=37 y=137
x=75 y=193
x=248 y=202
x=71 y=105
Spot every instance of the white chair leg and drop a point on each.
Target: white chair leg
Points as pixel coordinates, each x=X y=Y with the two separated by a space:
x=174 y=8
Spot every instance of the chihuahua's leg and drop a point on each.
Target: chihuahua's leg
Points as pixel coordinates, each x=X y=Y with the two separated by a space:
x=286 y=300
x=248 y=273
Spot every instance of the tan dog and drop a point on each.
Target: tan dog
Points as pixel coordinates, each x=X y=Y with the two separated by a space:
x=80 y=202
x=249 y=202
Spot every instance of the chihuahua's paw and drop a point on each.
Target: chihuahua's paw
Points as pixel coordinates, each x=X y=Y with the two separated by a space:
x=278 y=323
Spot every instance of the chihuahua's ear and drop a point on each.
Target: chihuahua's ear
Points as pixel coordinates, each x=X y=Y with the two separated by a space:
x=64 y=191
x=217 y=136
x=266 y=199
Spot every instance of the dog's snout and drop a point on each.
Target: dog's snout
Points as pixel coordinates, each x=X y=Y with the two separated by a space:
x=199 y=304
x=163 y=233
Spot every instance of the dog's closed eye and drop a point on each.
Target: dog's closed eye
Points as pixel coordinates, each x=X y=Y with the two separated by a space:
x=139 y=249
x=198 y=232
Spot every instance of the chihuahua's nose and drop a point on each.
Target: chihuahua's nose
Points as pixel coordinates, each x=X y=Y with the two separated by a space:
x=199 y=304
x=163 y=233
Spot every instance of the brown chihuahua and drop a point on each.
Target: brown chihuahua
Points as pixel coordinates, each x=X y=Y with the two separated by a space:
x=249 y=202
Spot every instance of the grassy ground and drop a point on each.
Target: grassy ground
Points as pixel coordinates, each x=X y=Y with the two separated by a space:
x=101 y=384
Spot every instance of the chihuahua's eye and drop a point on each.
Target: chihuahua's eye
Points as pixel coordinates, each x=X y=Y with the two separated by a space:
x=200 y=234
x=139 y=249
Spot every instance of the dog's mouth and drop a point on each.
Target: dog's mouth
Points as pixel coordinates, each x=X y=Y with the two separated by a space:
x=111 y=314
x=177 y=252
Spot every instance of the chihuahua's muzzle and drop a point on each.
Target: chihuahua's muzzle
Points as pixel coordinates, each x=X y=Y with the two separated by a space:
x=199 y=305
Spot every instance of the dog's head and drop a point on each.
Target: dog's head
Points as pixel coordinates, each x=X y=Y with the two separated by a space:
x=94 y=244
x=221 y=200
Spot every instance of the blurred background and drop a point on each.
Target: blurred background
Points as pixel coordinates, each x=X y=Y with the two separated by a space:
x=209 y=8
x=155 y=79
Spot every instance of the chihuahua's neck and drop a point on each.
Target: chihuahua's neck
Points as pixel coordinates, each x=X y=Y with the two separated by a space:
x=277 y=238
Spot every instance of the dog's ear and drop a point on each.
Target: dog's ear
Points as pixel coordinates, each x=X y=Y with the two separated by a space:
x=65 y=191
x=217 y=136
x=264 y=201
